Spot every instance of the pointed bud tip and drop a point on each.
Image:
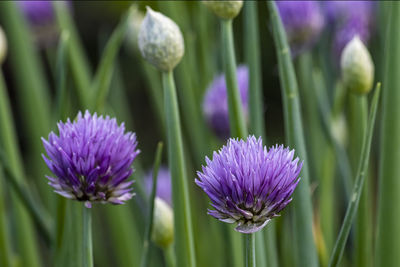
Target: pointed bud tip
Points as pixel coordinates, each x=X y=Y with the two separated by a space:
x=357 y=67
x=160 y=41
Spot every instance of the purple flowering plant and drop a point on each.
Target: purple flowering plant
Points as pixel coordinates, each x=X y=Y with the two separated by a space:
x=91 y=159
x=249 y=184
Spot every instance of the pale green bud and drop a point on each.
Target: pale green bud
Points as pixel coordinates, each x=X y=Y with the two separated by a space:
x=160 y=41
x=3 y=46
x=357 y=67
x=224 y=9
x=163 y=224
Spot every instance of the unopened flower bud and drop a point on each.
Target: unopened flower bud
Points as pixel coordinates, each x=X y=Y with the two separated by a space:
x=357 y=67
x=3 y=46
x=163 y=224
x=160 y=41
x=224 y=9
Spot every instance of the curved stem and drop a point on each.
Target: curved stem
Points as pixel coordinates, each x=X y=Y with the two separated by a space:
x=87 y=255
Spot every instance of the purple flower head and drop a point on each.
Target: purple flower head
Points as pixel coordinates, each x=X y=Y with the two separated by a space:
x=91 y=159
x=303 y=22
x=249 y=184
x=348 y=19
x=215 y=104
x=37 y=12
x=163 y=184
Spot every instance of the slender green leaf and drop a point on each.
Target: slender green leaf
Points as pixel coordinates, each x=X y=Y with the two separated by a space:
x=149 y=225
x=388 y=223
x=358 y=185
x=184 y=242
x=302 y=207
x=102 y=79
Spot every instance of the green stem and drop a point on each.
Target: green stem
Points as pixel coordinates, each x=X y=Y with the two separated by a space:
x=87 y=255
x=250 y=250
x=184 y=249
x=253 y=58
x=5 y=244
x=169 y=257
x=388 y=222
x=149 y=225
x=358 y=186
x=236 y=117
x=302 y=206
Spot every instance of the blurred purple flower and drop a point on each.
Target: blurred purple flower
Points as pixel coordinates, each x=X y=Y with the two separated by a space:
x=37 y=12
x=91 y=159
x=248 y=184
x=348 y=19
x=303 y=22
x=215 y=104
x=41 y=18
x=163 y=184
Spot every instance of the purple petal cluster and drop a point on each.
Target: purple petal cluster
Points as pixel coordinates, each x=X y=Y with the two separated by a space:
x=91 y=159
x=37 y=12
x=249 y=184
x=303 y=22
x=215 y=104
x=348 y=19
x=164 y=188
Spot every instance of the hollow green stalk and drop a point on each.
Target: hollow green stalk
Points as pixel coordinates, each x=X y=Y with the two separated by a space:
x=184 y=243
x=87 y=255
x=358 y=109
x=358 y=185
x=250 y=250
x=169 y=256
x=388 y=223
x=149 y=225
x=302 y=207
x=236 y=118
x=5 y=241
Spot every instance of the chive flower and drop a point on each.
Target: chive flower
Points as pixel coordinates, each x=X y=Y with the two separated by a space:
x=163 y=184
x=303 y=22
x=91 y=159
x=249 y=184
x=348 y=19
x=215 y=103
x=41 y=18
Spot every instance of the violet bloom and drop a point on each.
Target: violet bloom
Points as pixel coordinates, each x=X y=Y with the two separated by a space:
x=348 y=19
x=163 y=184
x=41 y=18
x=215 y=104
x=249 y=184
x=91 y=159
x=303 y=22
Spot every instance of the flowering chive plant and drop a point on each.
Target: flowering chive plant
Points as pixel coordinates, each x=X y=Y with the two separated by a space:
x=163 y=184
x=215 y=104
x=91 y=159
x=249 y=184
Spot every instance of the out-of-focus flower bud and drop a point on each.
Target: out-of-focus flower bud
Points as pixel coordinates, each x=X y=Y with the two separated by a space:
x=3 y=46
x=357 y=67
x=163 y=224
x=160 y=41
x=224 y=9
